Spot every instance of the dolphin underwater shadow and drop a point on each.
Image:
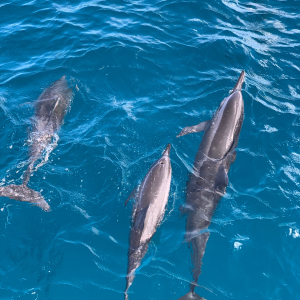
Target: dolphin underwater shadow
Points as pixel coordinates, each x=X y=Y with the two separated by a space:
x=50 y=109
x=207 y=184
x=148 y=211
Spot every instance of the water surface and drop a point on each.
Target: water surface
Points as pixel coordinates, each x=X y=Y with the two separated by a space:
x=141 y=71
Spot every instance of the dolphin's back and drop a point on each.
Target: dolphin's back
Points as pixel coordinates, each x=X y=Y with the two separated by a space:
x=50 y=110
x=153 y=197
x=52 y=106
x=223 y=132
x=148 y=211
x=191 y=296
x=150 y=204
x=209 y=179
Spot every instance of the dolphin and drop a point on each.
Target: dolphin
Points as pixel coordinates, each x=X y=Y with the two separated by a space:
x=50 y=109
x=148 y=211
x=208 y=181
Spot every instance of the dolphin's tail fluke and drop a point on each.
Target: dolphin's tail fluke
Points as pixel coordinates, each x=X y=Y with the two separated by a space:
x=191 y=296
x=24 y=193
x=239 y=84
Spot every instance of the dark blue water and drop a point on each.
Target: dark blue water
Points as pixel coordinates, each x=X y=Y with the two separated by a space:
x=141 y=71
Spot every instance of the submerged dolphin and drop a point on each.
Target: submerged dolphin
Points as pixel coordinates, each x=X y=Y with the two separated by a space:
x=50 y=109
x=148 y=211
x=207 y=184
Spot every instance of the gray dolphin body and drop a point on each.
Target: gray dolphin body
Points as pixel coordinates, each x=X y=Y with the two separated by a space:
x=207 y=184
x=148 y=211
x=50 y=109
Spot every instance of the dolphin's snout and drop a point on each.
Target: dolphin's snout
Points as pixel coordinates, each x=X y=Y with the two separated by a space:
x=167 y=150
x=239 y=83
x=63 y=78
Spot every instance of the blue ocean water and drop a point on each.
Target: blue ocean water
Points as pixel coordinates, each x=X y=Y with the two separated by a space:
x=141 y=71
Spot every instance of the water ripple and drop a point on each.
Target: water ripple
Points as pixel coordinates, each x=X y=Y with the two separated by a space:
x=141 y=71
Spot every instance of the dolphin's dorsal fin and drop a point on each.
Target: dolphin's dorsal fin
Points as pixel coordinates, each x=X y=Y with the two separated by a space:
x=239 y=84
x=55 y=105
x=183 y=210
x=140 y=217
x=133 y=195
x=197 y=128
x=221 y=178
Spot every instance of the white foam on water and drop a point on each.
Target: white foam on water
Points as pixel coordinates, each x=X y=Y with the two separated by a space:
x=294 y=233
x=95 y=231
x=270 y=129
x=237 y=245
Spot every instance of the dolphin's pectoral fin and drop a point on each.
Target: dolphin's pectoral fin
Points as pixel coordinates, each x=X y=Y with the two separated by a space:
x=197 y=128
x=26 y=103
x=221 y=181
x=132 y=195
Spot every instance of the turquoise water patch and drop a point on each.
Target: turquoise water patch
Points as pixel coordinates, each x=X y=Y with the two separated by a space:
x=140 y=72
